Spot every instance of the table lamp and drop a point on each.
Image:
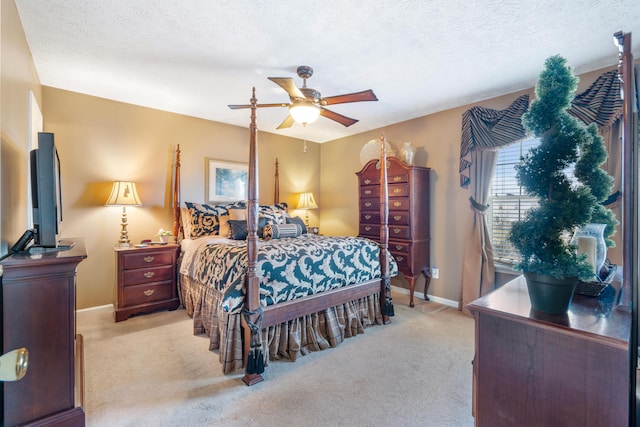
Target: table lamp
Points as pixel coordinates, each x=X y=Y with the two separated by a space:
x=124 y=194
x=306 y=202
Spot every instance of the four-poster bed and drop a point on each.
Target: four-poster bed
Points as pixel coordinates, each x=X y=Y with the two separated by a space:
x=250 y=314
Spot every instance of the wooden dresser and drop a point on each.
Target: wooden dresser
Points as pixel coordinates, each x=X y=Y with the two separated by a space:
x=146 y=280
x=537 y=369
x=409 y=224
x=38 y=312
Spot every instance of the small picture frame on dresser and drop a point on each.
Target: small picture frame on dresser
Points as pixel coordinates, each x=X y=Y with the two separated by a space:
x=314 y=230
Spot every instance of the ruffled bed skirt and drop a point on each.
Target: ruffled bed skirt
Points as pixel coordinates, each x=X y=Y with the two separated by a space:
x=288 y=340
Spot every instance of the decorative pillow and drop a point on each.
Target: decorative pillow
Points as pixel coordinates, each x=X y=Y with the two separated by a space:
x=238 y=229
x=224 y=230
x=237 y=214
x=212 y=209
x=185 y=220
x=299 y=221
x=203 y=224
x=240 y=204
x=278 y=231
x=274 y=214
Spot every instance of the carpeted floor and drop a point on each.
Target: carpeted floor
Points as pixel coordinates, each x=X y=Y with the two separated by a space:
x=151 y=370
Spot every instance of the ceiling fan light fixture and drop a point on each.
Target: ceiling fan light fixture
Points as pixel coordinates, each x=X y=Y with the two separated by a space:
x=304 y=112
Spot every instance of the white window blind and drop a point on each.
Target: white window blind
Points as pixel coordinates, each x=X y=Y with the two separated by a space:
x=508 y=201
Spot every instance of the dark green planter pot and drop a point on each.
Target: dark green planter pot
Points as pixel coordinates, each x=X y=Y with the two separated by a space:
x=549 y=294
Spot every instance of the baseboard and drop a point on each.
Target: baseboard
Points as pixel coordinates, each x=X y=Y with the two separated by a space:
x=99 y=307
x=433 y=298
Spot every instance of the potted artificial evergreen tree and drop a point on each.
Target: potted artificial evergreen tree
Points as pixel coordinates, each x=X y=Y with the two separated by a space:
x=550 y=263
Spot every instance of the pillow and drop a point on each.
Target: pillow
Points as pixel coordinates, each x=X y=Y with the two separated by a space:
x=203 y=224
x=212 y=209
x=238 y=229
x=278 y=231
x=240 y=204
x=224 y=230
x=185 y=220
x=273 y=213
x=237 y=214
x=297 y=220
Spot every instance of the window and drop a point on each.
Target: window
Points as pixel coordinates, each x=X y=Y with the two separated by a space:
x=508 y=202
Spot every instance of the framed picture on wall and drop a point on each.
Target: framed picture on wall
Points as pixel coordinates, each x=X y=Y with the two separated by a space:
x=225 y=181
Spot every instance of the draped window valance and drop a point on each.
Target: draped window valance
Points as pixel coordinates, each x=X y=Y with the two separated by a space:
x=487 y=129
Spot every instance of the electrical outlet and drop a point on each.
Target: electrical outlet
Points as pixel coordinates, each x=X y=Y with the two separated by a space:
x=435 y=273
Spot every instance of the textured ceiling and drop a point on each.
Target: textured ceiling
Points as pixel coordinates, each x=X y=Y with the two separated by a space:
x=419 y=56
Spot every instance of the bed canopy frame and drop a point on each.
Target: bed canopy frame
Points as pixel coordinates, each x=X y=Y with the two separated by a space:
x=255 y=317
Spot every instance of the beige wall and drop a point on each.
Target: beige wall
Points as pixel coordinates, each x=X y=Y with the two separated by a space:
x=17 y=79
x=100 y=141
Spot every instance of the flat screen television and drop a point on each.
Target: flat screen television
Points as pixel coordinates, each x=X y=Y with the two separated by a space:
x=46 y=194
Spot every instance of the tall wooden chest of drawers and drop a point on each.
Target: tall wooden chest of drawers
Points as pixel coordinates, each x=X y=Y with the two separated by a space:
x=146 y=280
x=409 y=224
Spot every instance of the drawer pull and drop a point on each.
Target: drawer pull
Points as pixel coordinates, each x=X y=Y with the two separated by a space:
x=148 y=259
x=397 y=230
x=367 y=217
x=397 y=190
x=367 y=192
x=397 y=204
x=149 y=292
x=149 y=274
x=367 y=204
x=399 y=247
x=397 y=217
x=367 y=228
x=367 y=181
x=399 y=258
x=397 y=178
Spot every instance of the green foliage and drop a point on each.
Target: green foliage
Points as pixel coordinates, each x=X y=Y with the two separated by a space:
x=563 y=205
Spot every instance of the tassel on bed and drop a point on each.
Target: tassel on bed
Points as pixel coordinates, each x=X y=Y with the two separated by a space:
x=259 y=360
x=255 y=358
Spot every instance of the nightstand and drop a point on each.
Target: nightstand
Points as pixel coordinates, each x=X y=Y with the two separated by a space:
x=146 y=280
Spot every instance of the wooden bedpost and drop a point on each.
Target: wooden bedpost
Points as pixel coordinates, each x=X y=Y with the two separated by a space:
x=386 y=303
x=176 y=195
x=252 y=284
x=276 y=186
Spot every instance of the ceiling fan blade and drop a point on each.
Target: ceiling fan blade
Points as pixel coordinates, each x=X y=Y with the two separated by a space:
x=289 y=85
x=287 y=123
x=343 y=120
x=365 y=95
x=235 y=107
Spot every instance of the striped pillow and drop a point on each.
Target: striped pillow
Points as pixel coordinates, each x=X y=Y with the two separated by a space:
x=279 y=231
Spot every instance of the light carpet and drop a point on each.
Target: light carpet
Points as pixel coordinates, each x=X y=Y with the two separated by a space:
x=151 y=370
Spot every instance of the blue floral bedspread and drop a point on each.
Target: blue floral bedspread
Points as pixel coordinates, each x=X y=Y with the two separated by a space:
x=289 y=268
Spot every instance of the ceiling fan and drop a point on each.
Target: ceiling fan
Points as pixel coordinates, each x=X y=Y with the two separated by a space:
x=307 y=103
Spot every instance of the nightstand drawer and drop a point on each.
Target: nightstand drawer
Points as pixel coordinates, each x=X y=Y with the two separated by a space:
x=138 y=260
x=147 y=275
x=143 y=294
